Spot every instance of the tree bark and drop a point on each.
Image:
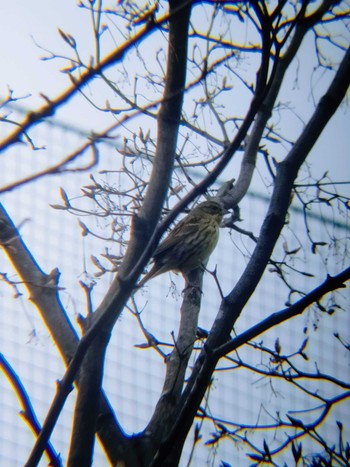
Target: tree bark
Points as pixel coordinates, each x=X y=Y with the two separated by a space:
x=234 y=302
x=43 y=291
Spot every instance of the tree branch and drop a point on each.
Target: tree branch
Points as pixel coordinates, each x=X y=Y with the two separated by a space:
x=330 y=284
x=43 y=292
x=88 y=401
x=162 y=419
x=52 y=105
x=27 y=411
x=112 y=305
x=233 y=304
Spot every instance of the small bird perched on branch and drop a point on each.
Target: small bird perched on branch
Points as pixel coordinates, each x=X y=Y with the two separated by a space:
x=190 y=243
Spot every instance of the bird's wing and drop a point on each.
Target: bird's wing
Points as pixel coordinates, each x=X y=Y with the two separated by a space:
x=179 y=233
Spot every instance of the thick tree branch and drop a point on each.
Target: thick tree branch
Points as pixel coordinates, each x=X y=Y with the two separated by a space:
x=162 y=441
x=42 y=288
x=233 y=304
x=329 y=285
x=162 y=420
x=87 y=405
x=109 y=310
x=273 y=86
x=43 y=292
x=167 y=132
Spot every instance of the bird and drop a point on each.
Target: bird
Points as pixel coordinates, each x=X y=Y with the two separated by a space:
x=190 y=243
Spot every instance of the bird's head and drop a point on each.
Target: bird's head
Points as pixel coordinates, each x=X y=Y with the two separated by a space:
x=211 y=208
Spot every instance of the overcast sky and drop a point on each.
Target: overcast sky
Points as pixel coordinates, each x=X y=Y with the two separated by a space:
x=25 y=25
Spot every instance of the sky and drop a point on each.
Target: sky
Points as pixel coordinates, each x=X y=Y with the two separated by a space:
x=27 y=28
x=24 y=26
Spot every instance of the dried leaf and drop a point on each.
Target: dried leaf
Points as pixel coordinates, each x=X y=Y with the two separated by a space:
x=68 y=38
x=65 y=198
x=278 y=347
x=85 y=230
x=58 y=206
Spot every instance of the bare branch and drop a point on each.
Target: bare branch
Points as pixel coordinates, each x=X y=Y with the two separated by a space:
x=27 y=411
